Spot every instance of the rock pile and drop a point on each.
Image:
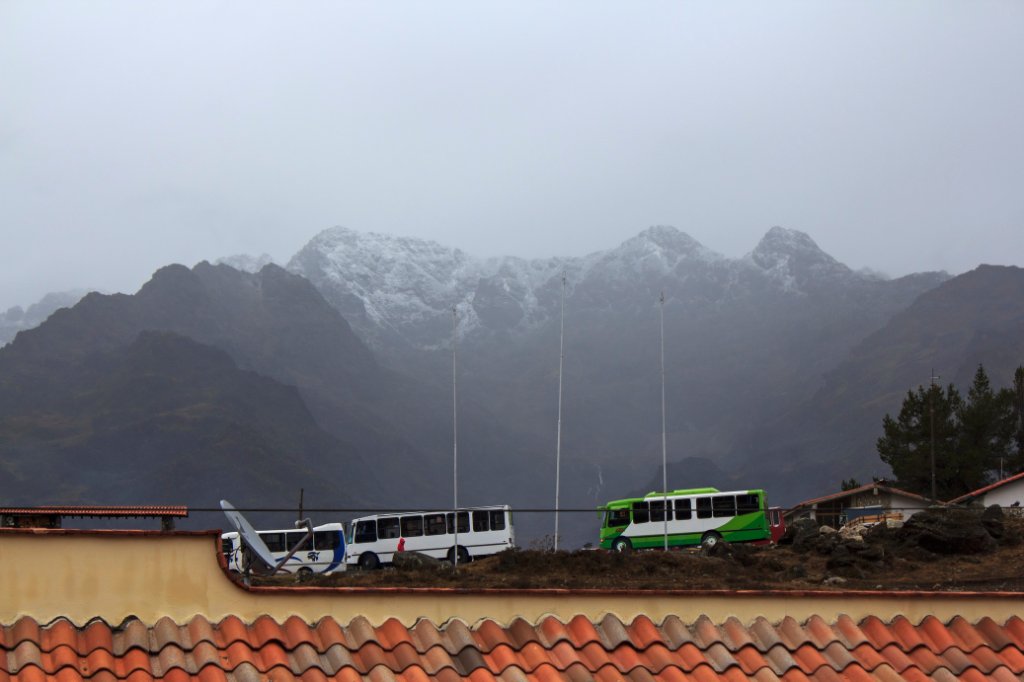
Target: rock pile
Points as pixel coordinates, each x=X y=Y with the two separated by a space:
x=858 y=551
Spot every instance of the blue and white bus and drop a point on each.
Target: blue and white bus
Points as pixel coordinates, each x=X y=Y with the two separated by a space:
x=324 y=553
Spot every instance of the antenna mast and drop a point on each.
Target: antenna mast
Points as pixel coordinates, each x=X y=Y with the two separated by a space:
x=558 y=446
x=455 y=441
x=664 y=449
x=931 y=413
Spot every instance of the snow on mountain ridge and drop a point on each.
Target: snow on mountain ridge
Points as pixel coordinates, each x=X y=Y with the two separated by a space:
x=658 y=250
x=406 y=287
x=245 y=262
x=794 y=261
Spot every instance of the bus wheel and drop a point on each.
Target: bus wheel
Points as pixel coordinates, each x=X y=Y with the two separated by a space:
x=463 y=555
x=369 y=561
x=622 y=546
x=305 y=573
x=710 y=539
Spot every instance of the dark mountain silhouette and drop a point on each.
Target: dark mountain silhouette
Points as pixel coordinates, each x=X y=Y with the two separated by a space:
x=390 y=437
x=164 y=420
x=17 y=319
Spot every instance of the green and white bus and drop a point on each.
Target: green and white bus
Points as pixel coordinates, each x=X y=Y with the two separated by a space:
x=695 y=516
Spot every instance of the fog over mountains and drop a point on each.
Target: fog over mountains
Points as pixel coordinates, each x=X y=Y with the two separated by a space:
x=400 y=290
x=779 y=368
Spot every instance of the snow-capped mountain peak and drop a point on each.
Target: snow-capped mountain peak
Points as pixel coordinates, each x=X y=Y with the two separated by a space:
x=403 y=289
x=246 y=262
x=794 y=260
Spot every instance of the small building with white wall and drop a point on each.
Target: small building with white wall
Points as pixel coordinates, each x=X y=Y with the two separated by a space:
x=1008 y=492
x=873 y=499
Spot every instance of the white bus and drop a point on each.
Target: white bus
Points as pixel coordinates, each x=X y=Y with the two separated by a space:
x=374 y=540
x=324 y=553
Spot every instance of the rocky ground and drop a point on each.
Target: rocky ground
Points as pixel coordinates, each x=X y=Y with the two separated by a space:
x=954 y=549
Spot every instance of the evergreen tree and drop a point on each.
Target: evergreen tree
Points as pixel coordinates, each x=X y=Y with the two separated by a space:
x=986 y=434
x=907 y=441
x=1017 y=399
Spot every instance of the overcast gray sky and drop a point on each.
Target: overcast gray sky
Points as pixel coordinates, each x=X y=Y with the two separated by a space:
x=135 y=134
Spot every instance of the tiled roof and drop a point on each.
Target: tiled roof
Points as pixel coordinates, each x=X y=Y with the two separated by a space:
x=855 y=491
x=233 y=651
x=988 y=488
x=94 y=510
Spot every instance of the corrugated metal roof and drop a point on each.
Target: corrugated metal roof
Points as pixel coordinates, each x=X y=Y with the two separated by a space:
x=580 y=649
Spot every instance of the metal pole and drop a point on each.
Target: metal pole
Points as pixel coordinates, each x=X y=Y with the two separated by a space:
x=664 y=448
x=455 y=441
x=931 y=410
x=558 y=446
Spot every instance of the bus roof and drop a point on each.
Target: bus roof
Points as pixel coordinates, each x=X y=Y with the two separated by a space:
x=684 y=491
x=486 y=507
x=626 y=501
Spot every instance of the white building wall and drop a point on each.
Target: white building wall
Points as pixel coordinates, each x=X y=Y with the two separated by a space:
x=1005 y=495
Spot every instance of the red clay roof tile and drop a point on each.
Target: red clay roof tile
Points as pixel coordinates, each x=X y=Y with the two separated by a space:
x=267 y=651
x=736 y=635
x=613 y=632
x=967 y=637
x=764 y=635
x=643 y=632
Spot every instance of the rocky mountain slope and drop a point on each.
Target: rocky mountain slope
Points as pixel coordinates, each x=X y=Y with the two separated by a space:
x=779 y=367
x=382 y=436
x=18 y=319
x=747 y=339
x=162 y=419
x=974 y=318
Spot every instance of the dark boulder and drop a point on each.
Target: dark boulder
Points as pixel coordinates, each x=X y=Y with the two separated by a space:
x=414 y=561
x=992 y=520
x=802 y=534
x=947 y=530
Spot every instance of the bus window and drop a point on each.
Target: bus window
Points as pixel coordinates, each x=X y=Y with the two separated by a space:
x=275 y=541
x=412 y=526
x=294 y=537
x=366 y=531
x=703 y=507
x=657 y=510
x=463 y=522
x=480 y=521
x=641 y=513
x=227 y=546
x=326 y=539
x=617 y=518
x=387 y=529
x=683 y=511
x=498 y=520
x=747 y=504
x=434 y=524
x=723 y=506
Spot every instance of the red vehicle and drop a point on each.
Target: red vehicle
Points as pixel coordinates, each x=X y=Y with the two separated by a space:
x=777 y=523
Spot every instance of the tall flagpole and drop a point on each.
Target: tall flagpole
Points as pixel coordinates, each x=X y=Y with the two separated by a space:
x=664 y=449
x=558 y=446
x=455 y=441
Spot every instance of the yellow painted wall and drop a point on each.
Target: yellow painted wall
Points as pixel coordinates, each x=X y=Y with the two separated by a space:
x=113 y=575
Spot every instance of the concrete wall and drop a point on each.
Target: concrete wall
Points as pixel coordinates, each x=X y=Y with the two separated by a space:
x=82 y=575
